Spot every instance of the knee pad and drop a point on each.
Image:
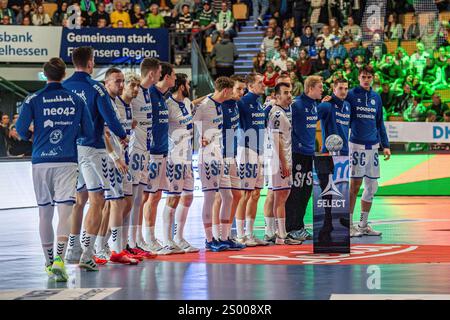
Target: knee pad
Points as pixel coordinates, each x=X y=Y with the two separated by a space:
x=370 y=188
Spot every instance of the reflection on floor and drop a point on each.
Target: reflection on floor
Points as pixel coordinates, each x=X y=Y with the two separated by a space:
x=414 y=221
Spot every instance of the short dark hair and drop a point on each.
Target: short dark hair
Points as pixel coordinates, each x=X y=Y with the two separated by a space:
x=367 y=69
x=166 y=70
x=222 y=83
x=339 y=80
x=237 y=78
x=110 y=71
x=447 y=113
x=149 y=64
x=55 y=69
x=251 y=77
x=81 y=56
x=280 y=85
x=181 y=80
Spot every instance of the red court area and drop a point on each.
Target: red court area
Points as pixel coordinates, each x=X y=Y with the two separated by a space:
x=361 y=254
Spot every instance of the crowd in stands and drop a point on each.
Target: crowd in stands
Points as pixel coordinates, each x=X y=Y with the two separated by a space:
x=10 y=143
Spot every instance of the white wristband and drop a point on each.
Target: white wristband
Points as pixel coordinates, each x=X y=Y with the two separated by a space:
x=114 y=156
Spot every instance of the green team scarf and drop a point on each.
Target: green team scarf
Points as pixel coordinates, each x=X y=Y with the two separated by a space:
x=88 y=5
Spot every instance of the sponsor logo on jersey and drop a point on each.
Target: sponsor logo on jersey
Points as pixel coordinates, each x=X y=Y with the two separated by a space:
x=56 y=136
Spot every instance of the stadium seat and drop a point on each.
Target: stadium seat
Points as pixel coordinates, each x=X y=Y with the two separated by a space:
x=444 y=16
x=209 y=44
x=409 y=46
x=391 y=45
x=50 y=8
x=444 y=93
x=240 y=11
x=406 y=20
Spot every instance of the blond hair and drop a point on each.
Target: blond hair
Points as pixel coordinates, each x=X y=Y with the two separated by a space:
x=131 y=77
x=311 y=82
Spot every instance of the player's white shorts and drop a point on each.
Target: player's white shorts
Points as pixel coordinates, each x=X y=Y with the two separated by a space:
x=156 y=177
x=230 y=178
x=364 y=162
x=276 y=180
x=251 y=169
x=180 y=177
x=138 y=166
x=93 y=169
x=54 y=183
x=210 y=170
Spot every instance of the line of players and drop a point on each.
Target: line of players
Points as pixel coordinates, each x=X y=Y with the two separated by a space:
x=137 y=140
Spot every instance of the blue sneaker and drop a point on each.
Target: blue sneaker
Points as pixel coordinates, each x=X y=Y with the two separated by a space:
x=215 y=246
x=233 y=245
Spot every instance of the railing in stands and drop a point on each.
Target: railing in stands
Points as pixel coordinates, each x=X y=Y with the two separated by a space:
x=201 y=78
x=14 y=88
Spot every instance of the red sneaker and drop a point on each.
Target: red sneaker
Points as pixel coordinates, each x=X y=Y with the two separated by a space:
x=122 y=258
x=100 y=261
x=133 y=255
x=143 y=253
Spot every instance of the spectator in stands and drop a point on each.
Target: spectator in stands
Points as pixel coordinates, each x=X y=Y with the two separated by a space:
x=403 y=101
x=259 y=63
x=377 y=48
x=300 y=10
x=120 y=15
x=297 y=85
x=40 y=18
x=337 y=50
x=447 y=116
x=180 y=3
x=327 y=36
x=387 y=98
x=416 y=112
x=359 y=62
x=431 y=74
x=318 y=46
x=418 y=60
x=352 y=31
x=259 y=10
x=5 y=121
x=60 y=14
x=393 y=30
x=389 y=69
x=224 y=23
x=185 y=21
x=304 y=64
x=269 y=40
x=6 y=21
x=225 y=53
x=15 y=118
x=24 y=12
x=276 y=28
x=431 y=116
x=442 y=58
x=155 y=19
x=334 y=27
x=288 y=38
x=206 y=18
x=101 y=23
x=270 y=78
x=136 y=15
x=294 y=50
x=439 y=107
x=320 y=65
x=17 y=146
x=429 y=34
x=88 y=9
x=100 y=14
x=350 y=72
x=26 y=21
x=5 y=11
x=274 y=53
x=357 y=49
x=280 y=63
x=308 y=38
x=413 y=31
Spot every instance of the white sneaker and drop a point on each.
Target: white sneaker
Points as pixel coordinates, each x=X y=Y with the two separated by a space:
x=87 y=262
x=105 y=254
x=354 y=232
x=288 y=241
x=241 y=240
x=73 y=254
x=258 y=242
x=186 y=246
x=154 y=246
x=170 y=248
x=250 y=241
x=368 y=231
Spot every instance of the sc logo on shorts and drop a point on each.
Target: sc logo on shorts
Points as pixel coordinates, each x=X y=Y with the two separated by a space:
x=251 y=170
x=360 y=158
x=138 y=162
x=153 y=169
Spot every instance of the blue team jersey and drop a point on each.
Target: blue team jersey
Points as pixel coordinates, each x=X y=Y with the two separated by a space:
x=160 y=115
x=304 y=123
x=335 y=117
x=252 y=121
x=230 y=126
x=366 y=118
x=59 y=117
x=100 y=108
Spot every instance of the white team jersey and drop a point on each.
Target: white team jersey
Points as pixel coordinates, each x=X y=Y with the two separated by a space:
x=280 y=123
x=125 y=115
x=181 y=129
x=142 y=113
x=115 y=141
x=209 y=121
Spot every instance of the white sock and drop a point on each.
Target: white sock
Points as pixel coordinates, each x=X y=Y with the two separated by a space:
x=168 y=214
x=249 y=223
x=99 y=243
x=132 y=240
x=180 y=221
x=74 y=241
x=208 y=234
x=88 y=244
x=270 y=226
x=150 y=234
x=282 y=227
x=125 y=236
x=225 y=229
x=139 y=236
x=48 y=253
x=216 y=231
x=363 y=220
x=83 y=237
x=240 y=224
x=116 y=238
x=61 y=249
